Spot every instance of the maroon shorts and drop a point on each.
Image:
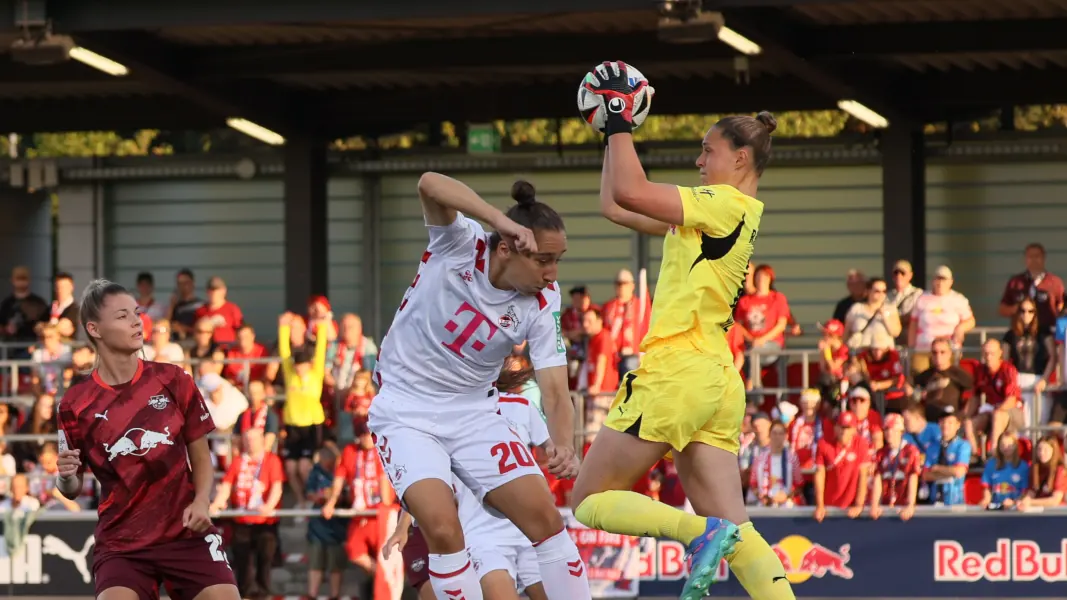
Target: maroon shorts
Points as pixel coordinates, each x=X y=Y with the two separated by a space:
x=186 y=566
x=416 y=559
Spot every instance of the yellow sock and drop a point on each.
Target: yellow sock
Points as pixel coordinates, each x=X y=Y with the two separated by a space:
x=630 y=513
x=758 y=568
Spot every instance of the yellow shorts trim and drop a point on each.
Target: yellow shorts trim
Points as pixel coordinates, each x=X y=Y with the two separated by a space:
x=680 y=395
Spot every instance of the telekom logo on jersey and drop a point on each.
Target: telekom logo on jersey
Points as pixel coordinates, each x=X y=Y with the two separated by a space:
x=476 y=320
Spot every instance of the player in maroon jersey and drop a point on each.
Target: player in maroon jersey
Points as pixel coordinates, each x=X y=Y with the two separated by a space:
x=134 y=424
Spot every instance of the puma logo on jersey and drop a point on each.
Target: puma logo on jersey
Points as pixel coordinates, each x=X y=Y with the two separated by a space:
x=713 y=248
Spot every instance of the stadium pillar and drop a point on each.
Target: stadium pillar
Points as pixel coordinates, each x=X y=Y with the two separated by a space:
x=903 y=148
x=305 y=220
x=371 y=286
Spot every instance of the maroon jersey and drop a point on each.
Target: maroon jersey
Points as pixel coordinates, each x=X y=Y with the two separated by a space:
x=895 y=467
x=133 y=437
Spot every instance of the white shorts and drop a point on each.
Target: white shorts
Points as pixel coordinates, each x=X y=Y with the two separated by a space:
x=480 y=448
x=519 y=561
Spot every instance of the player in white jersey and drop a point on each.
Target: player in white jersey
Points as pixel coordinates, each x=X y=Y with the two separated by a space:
x=476 y=296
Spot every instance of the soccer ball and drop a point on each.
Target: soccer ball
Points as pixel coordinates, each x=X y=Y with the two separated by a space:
x=591 y=106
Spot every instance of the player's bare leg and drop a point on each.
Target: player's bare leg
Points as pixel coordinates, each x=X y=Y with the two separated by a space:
x=710 y=480
x=222 y=591
x=498 y=585
x=602 y=499
x=118 y=593
x=426 y=592
x=528 y=503
x=431 y=502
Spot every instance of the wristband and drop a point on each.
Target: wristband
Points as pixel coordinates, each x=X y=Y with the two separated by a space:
x=616 y=123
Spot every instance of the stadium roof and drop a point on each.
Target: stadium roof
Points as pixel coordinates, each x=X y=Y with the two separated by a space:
x=338 y=67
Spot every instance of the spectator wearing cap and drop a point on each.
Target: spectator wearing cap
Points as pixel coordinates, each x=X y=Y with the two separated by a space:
x=903 y=295
x=947 y=463
x=856 y=282
x=65 y=310
x=758 y=440
x=868 y=422
x=841 y=470
x=998 y=382
x=225 y=315
x=626 y=316
x=897 y=468
x=146 y=297
x=763 y=315
x=1006 y=475
x=1037 y=284
x=320 y=311
x=184 y=304
x=871 y=317
x=804 y=433
x=833 y=356
x=775 y=476
x=944 y=384
x=939 y=313
x=570 y=321
x=881 y=368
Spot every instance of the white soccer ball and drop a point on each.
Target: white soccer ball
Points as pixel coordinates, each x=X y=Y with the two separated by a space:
x=591 y=106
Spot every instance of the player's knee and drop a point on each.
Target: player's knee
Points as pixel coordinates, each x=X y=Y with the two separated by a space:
x=443 y=535
x=544 y=523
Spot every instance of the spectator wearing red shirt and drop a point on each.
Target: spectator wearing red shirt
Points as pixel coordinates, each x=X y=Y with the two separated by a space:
x=897 y=467
x=775 y=476
x=225 y=315
x=762 y=316
x=998 y=380
x=600 y=374
x=883 y=370
x=868 y=422
x=359 y=398
x=253 y=483
x=1048 y=477
x=1044 y=288
x=735 y=339
x=570 y=321
x=841 y=470
x=361 y=470
x=319 y=311
x=627 y=316
x=247 y=347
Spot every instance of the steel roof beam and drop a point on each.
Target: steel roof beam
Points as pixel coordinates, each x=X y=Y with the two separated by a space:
x=884 y=40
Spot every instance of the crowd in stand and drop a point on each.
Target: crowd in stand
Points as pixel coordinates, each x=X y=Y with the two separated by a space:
x=897 y=413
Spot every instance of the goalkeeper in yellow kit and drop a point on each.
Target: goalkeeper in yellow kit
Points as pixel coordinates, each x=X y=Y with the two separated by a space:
x=687 y=398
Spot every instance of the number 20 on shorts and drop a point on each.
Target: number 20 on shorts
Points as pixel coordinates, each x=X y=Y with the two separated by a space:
x=511 y=455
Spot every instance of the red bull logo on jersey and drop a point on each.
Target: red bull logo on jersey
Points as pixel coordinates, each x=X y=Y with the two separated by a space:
x=804 y=559
x=1012 y=560
x=137 y=442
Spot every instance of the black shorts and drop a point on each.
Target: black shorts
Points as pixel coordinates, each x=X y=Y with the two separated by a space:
x=301 y=442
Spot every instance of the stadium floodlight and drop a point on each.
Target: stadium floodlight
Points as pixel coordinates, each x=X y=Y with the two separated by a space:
x=738 y=42
x=863 y=113
x=98 y=62
x=259 y=132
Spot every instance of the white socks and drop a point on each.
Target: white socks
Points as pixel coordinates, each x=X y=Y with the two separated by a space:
x=453 y=578
x=562 y=569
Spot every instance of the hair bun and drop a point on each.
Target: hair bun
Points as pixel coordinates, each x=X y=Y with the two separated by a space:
x=768 y=121
x=523 y=192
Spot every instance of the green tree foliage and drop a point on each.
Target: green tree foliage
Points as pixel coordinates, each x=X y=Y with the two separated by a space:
x=532 y=132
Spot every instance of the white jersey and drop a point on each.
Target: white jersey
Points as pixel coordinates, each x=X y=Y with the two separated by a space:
x=453 y=330
x=479 y=526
